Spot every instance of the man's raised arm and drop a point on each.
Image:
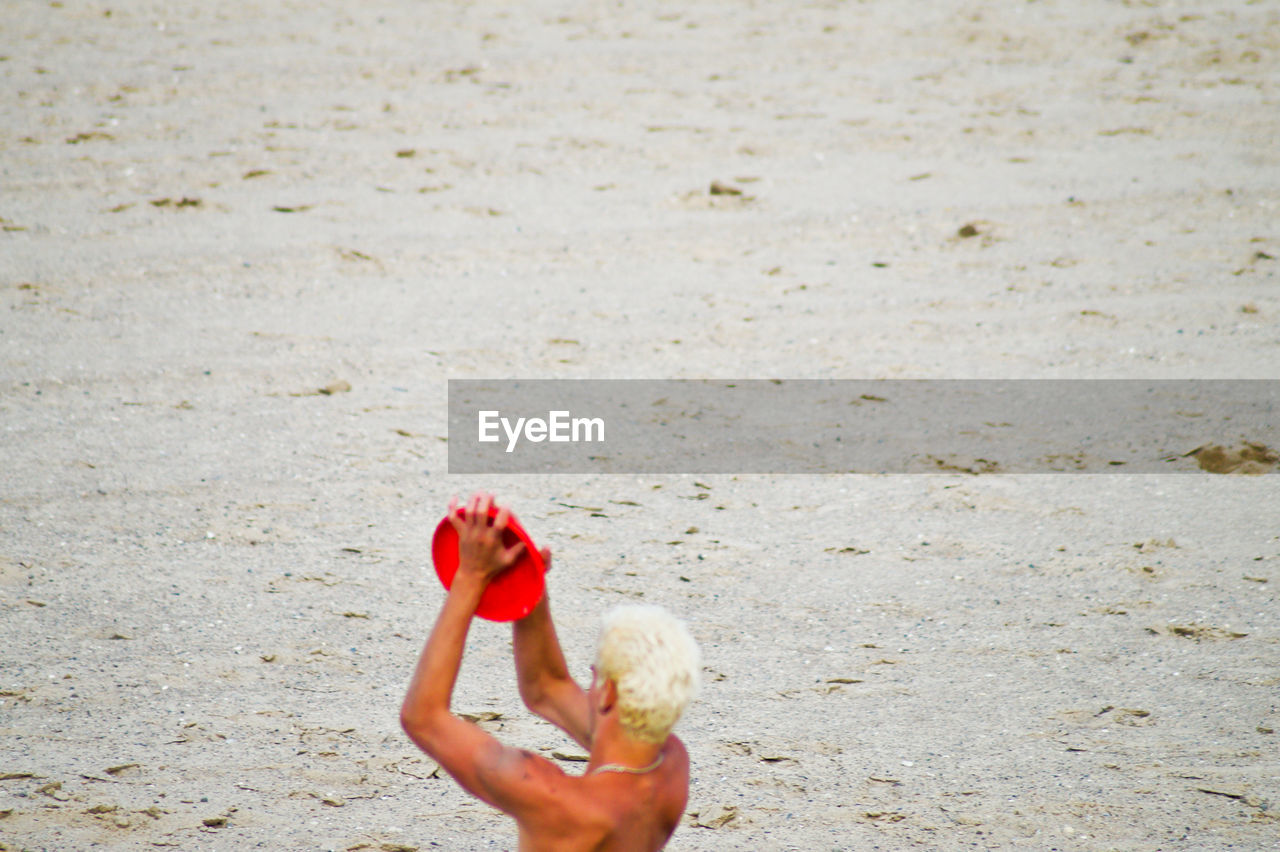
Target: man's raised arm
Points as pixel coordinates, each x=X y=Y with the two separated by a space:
x=545 y=683
x=516 y=782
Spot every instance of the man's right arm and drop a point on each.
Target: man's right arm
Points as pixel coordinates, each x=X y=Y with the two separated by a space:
x=545 y=683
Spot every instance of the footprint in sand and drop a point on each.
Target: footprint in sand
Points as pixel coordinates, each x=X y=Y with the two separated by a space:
x=1249 y=458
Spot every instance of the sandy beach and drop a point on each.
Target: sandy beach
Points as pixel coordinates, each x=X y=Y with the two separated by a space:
x=245 y=246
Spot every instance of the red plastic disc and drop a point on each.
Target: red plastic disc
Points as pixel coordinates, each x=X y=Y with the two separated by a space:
x=512 y=594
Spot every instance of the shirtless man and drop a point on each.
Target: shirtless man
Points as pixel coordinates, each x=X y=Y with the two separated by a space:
x=636 y=783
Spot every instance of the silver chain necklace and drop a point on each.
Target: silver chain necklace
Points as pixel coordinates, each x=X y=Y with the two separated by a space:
x=629 y=770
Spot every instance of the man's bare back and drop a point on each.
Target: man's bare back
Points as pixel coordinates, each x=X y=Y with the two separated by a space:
x=636 y=782
x=611 y=811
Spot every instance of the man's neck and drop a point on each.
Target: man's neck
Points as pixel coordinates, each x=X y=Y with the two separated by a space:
x=614 y=748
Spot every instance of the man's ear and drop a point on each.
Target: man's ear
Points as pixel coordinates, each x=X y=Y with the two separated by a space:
x=606 y=696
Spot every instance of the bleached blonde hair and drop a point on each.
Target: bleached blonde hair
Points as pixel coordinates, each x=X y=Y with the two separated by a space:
x=654 y=663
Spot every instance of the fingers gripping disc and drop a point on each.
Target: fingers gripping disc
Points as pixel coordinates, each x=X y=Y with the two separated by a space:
x=512 y=594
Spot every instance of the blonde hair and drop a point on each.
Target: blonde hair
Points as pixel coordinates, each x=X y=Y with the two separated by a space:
x=654 y=663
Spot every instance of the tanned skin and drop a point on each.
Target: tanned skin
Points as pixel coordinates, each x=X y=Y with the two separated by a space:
x=598 y=811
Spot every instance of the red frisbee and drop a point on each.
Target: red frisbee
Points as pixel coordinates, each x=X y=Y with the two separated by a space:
x=512 y=594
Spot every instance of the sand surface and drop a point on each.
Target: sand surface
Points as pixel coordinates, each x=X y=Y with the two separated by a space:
x=214 y=580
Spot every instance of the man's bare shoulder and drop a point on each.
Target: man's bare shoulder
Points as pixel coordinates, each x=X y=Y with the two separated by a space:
x=536 y=770
x=673 y=749
x=611 y=811
x=567 y=811
x=551 y=790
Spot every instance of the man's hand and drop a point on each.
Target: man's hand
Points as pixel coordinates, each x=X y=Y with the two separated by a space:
x=481 y=553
